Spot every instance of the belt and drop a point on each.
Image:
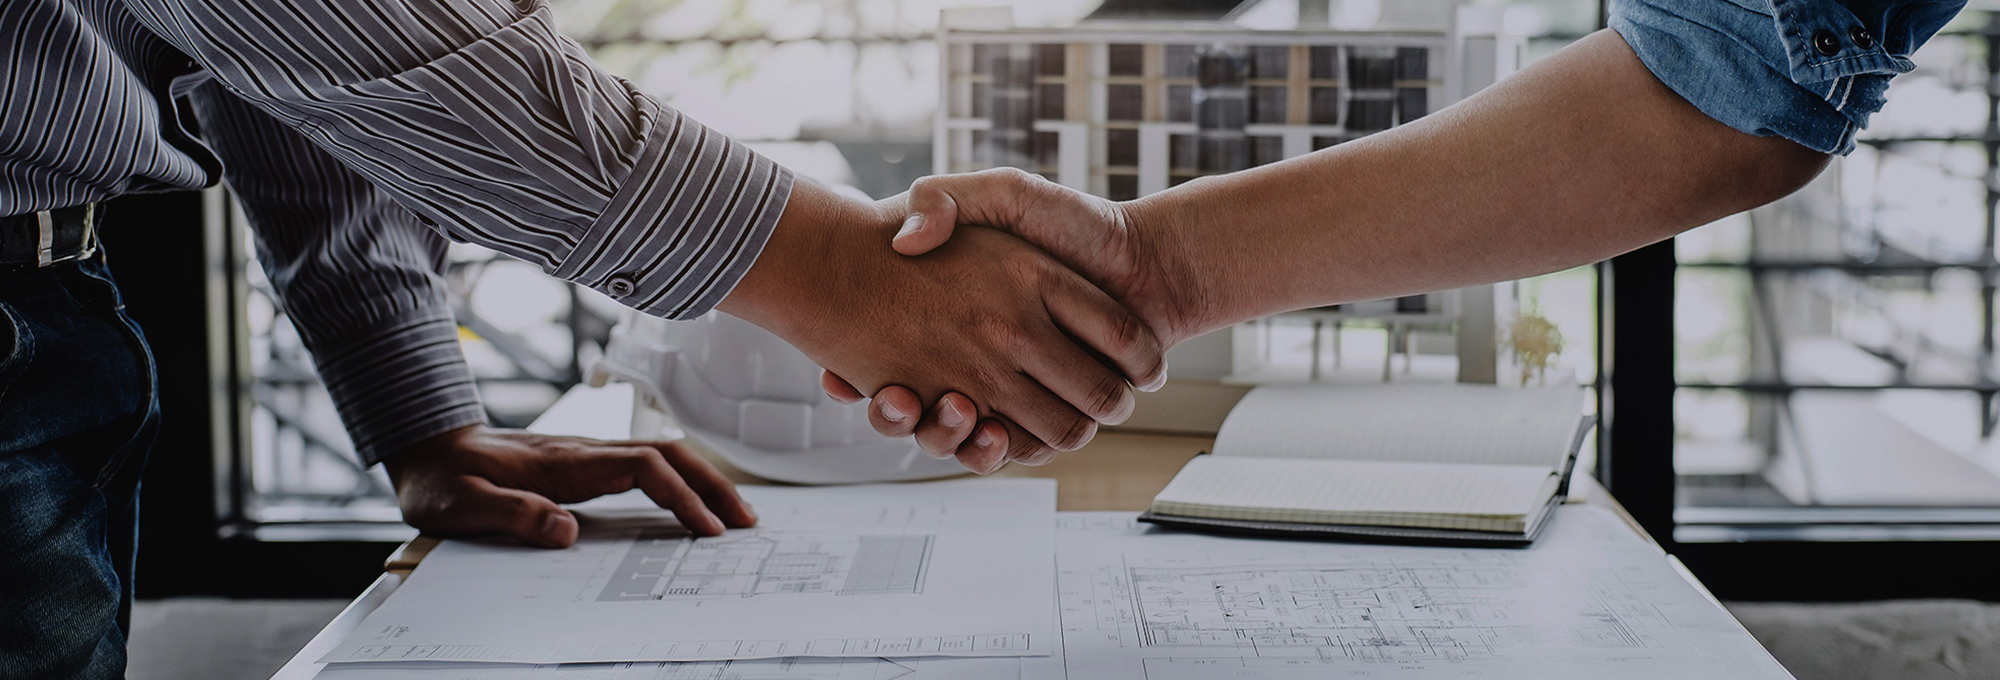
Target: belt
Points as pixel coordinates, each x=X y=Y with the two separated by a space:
x=48 y=237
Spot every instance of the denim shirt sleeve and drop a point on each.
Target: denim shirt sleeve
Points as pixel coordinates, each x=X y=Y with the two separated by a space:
x=1810 y=71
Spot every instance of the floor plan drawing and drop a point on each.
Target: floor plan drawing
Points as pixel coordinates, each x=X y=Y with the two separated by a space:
x=1589 y=600
x=1362 y=611
x=668 y=564
x=962 y=568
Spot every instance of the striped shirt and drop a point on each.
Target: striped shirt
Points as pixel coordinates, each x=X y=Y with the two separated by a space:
x=356 y=132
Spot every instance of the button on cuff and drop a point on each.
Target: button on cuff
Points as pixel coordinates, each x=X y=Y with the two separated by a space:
x=1861 y=38
x=1825 y=43
x=619 y=285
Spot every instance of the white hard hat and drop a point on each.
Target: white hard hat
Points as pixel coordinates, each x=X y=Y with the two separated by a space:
x=756 y=401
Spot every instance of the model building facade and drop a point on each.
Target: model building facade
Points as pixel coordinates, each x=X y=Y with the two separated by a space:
x=1124 y=110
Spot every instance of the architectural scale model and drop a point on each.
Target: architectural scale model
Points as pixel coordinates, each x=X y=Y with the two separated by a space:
x=1126 y=109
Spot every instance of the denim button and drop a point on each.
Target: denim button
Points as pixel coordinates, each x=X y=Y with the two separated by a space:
x=619 y=285
x=1861 y=37
x=1825 y=43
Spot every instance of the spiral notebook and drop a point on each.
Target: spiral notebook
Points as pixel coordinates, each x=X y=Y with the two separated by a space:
x=1447 y=464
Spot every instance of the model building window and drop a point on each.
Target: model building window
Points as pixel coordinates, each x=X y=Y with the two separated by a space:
x=1050 y=60
x=1127 y=60
x=1266 y=149
x=1049 y=104
x=1267 y=104
x=1223 y=151
x=1324 y=60
x=1180 y=103
x=1413 y=72
x=982 y=58
x=1121 y=147
x=1048 y=148
x=1122 y=187
x=1324 y=109
x=1371 y=89
x=980 y=93
x=1222 y=100
x=1270 y=61
x=1124 y=102
x=1183 y=154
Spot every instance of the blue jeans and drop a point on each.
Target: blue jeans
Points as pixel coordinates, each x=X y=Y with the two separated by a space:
x=78 y=411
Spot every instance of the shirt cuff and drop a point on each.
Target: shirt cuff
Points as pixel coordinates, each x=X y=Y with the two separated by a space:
x=687 y=224
x=404 y=382
x=1730 y=63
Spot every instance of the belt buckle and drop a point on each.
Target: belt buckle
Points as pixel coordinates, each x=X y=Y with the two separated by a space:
x=46 y=253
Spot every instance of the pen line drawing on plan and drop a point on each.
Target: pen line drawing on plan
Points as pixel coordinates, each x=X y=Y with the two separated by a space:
x=1380 y=611
x=903 y=570
x=1139 y=604
x=667 y=563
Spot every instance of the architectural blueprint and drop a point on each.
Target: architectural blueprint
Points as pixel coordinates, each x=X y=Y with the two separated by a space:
x=894 y=570
x=665 y=563
x=1590 y=599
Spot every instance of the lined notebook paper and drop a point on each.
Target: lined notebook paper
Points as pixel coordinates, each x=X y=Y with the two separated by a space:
x=1386 y=462
x=1435 y=423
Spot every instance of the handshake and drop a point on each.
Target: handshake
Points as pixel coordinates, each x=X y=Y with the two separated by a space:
x=1010 y=315
x=1021 y=331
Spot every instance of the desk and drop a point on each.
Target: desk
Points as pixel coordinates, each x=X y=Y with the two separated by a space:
x=1116 y=471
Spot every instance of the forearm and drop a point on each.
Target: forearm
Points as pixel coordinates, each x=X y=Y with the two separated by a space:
x=794 y=261
x=1579 y=158
x=356 y=273
x=489 y=125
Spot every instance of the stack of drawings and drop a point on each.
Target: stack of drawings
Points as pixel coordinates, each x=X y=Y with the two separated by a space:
x=983 y=580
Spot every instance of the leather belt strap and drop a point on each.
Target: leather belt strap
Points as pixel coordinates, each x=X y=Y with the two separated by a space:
x=48 y=237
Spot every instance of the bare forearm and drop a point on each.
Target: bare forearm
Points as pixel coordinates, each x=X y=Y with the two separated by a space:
x=1579 y=158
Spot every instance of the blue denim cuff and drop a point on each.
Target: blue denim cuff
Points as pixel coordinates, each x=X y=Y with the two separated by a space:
x=1811 y=71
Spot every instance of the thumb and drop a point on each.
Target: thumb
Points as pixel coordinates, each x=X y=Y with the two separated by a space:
x=933 y=215
x=481 y=507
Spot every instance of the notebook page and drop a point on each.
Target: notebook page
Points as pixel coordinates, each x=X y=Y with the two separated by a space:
x=1435 y=423
x=1445 y=496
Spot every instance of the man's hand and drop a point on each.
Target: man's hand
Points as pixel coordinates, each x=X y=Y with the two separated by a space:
x=1098 y=238
x=987 y=315
x=480 y=480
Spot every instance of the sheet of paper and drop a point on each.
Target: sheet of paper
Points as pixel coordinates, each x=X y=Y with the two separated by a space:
x=1589 y=600
x=956 y=568
x=757 y=669
x=1434 y=423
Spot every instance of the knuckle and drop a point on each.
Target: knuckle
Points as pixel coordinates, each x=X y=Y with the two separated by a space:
x=1024 y=447
x=1108 y=396
x=1074 y=434
x=1022 y=179
x=1128 y=335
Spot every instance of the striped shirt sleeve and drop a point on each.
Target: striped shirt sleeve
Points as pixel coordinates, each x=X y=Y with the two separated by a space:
x=357 y=274
x=480 y=118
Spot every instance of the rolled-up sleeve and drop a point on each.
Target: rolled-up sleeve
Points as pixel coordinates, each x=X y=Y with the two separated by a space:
x=358 y=276
x=1811 y=71
x=493 y=128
